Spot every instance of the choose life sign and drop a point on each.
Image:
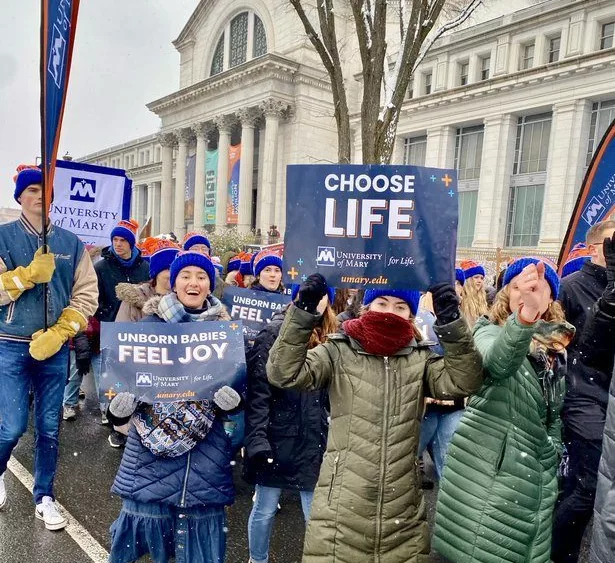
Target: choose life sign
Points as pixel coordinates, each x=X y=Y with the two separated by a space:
x=166 y=362
x=371 y=226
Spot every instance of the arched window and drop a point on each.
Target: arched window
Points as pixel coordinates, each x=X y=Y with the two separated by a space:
x=244 y=38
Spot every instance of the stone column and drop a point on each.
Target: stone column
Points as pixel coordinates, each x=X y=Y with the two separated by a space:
x=150 y=206
x=224 y=124
x=440 y=151
x=261 y=154
x=201 y=130
x=184 y=136
x=248 y=118
x=494 y=182
x=156 y=209
x=273 y=110
x=167 y=142
x=565 y=168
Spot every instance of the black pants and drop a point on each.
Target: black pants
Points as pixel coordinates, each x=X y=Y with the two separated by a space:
x=576 y=501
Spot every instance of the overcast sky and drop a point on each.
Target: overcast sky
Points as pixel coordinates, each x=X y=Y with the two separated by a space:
x=123 y=58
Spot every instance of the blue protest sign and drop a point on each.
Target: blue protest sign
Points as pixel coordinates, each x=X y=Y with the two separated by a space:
x=165 y=362
x=253 y=308
x=371 y=225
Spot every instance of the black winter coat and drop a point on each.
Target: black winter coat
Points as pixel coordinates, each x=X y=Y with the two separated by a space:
x=290 y=426
x=110 y=272
x=587 y=388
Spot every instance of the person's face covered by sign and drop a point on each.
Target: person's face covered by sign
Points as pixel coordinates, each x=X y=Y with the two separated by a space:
x=390 y=304
x=192 y=287
x=479 y=281
x=270 y=278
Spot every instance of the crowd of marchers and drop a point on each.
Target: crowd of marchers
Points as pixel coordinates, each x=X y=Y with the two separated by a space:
x=508 y=394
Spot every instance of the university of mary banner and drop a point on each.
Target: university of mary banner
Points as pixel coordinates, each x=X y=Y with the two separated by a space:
x=232 y=206
x=90 y=200
x=371 y=226
x=211 y=185
x=165 y=362
x=596 y=201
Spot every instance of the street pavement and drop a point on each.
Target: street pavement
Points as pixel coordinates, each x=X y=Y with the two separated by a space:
x=86 y=470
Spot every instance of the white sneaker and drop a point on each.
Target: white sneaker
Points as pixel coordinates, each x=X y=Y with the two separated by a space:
x=69 y=412
x=48 y=512
x=2 y=492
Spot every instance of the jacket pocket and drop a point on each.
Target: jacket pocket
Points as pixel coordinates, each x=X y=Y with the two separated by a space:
x=333 y=475
x=501 y=453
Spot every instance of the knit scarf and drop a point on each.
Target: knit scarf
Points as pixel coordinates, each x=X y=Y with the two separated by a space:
x=380 y=334
x=171 y=310
x=126 y=263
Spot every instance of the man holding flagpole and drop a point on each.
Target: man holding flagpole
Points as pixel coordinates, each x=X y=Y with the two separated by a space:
x=33 y=345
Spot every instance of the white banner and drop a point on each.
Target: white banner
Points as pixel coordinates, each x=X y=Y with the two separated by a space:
x=90 y=200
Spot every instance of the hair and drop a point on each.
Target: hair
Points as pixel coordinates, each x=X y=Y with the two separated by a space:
x=328 y=325
x=230 y=277
x=501 y=309
x=473 y=302
x=596 y=232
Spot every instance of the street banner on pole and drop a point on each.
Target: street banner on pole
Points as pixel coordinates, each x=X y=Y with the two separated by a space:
x=166 y=362
x=211 y=185
x=234 y=163
x=90 y=200
x=58 y=27
x=596 y=200
x=254 y=309
x=371 y=226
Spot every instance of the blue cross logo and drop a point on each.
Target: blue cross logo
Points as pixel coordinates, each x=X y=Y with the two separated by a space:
x=304 y=277
x=451 y=193
x=432 y=178
x=300 y=261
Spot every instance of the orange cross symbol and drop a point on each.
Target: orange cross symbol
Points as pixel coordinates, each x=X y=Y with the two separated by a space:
x=110 y=394
x=447 y=180
x=293 y=273
x=234 y=326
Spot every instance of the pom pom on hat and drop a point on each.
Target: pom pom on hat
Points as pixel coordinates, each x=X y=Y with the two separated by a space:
x=162 y=254
x=195 y=237
x=217 y=264
x=295 y=291
x=27 y=175
x=460 y=276
x=266 y=258
x=519 y=264
x=410 y=296
x=127 y=230
x=190 y=258
x=575 y=259
x=471 y=268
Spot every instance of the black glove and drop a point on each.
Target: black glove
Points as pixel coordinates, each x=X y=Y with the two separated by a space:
x=445 y=303
x=311 y=292
x=83 y=353
x=608 y=247
x=262 y=459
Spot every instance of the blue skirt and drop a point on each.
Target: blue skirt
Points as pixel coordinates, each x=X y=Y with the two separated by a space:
x=191 y=535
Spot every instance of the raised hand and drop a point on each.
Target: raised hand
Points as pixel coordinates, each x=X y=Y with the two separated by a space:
x=532 y=285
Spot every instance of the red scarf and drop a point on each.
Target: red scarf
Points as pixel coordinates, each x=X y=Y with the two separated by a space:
x=380 y=334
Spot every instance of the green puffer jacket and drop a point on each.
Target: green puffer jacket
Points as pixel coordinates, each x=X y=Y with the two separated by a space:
x=368 y=505
x=499 y=485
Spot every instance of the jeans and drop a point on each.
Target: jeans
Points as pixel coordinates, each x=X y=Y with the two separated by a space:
x=576 y=503
x=20 y=374
x=262 y=516
x=437 y=431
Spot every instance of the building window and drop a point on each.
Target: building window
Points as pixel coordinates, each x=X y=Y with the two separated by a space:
x=554 y=46
x=527 y=56
x=410 y=92
x=147 y=160
x=464 y=69
x=603 y=114
x=239 y=51
x=532 y=144
x=469 y=152
x=485 y=67
x=468 y=202
x=524 y=215
x=415 y=149
x=606 y=36
x=427 y=80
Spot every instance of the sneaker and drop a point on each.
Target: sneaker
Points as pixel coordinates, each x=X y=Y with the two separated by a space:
x=2 y=492
x=116 y=439
x=48 y=512
x=103 y=419
x=81 y=393
x=69 y=412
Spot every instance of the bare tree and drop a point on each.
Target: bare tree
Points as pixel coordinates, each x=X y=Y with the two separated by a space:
x=385 y=75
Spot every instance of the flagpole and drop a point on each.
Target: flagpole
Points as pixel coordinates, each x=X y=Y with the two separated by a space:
x=44 y=155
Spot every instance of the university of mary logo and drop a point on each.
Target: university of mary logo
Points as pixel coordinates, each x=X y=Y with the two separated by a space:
x=144 y=379
x=57 y=57
x=83 y=189
x=325 y=256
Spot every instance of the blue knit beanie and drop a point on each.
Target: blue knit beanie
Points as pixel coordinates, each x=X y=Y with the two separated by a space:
x=264 y=259
x=575 y=259
x=233 y=264
x=295 y=291
x=410 y=296
x=127 y=230
x=25 y=178
x=460 y=276
x=193 y=238
x=471 y=268
x=519 y=264
x=191 y=258
x=161 y=260
x=246 y=269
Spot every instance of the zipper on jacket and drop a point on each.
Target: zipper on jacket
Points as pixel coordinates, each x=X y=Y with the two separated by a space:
x=335 y=462
x=383 y=464
x=182 y=502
